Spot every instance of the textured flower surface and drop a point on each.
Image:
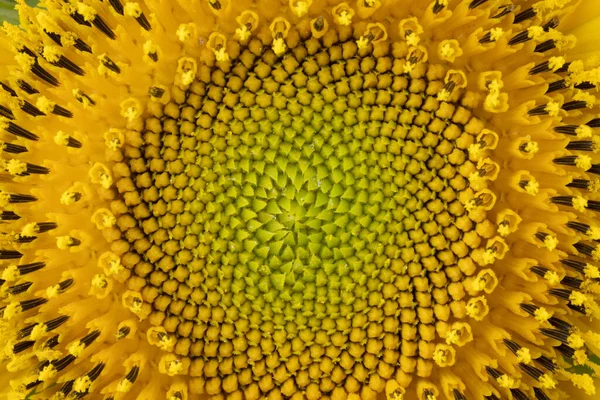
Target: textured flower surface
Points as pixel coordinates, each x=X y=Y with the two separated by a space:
x=309 y=199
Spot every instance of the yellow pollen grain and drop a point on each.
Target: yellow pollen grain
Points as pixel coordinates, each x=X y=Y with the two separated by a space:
x=449 y=50
x=4 y=199
x=588 y=98
x=580 y=357
x=577 y=298
x=556 y=63
x=506 y=381
x=61 y=138
x=130 y=109
x=242 y=33
x=11 y=310
x=532 y=187
x=552 y=278
x=133 y=9
x=343 y=18
x=575 y=341
x=47 y=373
x=496 y=33
x=580 y=203
x=175 y=367
x=542 y=315
x=76 y=349
x=362 y=42
x=550 y=242
x=124 y=386
x=532 y=147
x=24 y=61
x=547 y=381
x=584 y=382
x=51 y=53
x=583 y=162
x=300 y=8
x=279 y=47
x=67 y=198
x=150 y=47
x=187 y=67
x=596 y=254
x=52 y=291
x=68 y=39
x=45 y=104
x=584 y=132
x=16 y=167
x=184 y=32
x=115 y=267
x=591 y=271
x=63 y=242
x=88 y=12
x=553 y=108
x=38 y=331
x=82 y=384
x=412 y=39
x=99 y=281
x=444 y=95
x=10 y=273
x=30 y=229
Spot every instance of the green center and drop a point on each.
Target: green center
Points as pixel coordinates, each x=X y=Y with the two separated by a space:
x=304 y=204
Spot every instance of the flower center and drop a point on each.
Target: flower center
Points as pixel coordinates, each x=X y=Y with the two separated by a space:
x=310 y=208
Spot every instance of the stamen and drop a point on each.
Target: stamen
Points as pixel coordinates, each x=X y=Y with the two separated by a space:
x=117 y=6
x=504 y=11
x=476 y=3
x=524 y=15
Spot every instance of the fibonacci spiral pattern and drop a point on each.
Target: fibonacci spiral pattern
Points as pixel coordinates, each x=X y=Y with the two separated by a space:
x=261 y=199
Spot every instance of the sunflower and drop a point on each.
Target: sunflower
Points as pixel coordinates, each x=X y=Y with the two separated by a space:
x=263 y=199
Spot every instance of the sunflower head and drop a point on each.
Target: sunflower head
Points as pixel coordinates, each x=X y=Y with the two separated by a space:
x=300 y=199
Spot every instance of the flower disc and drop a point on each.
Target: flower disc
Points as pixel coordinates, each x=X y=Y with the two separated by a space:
x=303 y=199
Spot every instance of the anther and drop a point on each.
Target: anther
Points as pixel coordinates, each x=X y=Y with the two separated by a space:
x=504 y=10
x=539 y=394
x=26 y=87
x=117 y=6
x=10 y=255
x=9 y=216
x=215 y=4
x=519 y=38
x=319 y=24
x=83 y=98
x=524 y=15
x=156 y=91
x=545 y=46
x=476 y=3
x=133 y=9
x=109 y=64
x=8 y=89
x=6 y=113
x=439 y=5
x=20 y=288
x=27 y=305
x=16 y=130
x=56 y=322
x=122 y=332
x=133 y=374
